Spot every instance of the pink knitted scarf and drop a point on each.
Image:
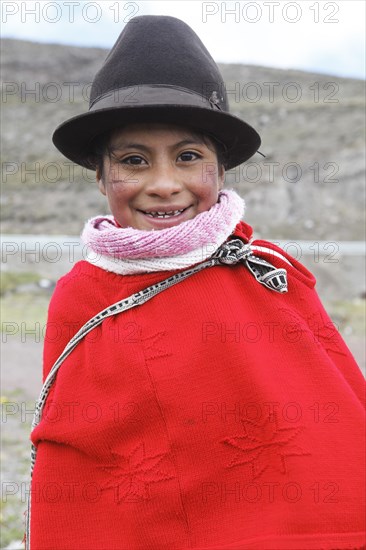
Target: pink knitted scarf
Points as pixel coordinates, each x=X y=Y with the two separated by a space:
x=128 y=250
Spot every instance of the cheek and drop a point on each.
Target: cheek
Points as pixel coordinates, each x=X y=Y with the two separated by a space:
x=119 y=191
x=210 y=175
x=120 y=175
x=209 y=184
x=207 y=192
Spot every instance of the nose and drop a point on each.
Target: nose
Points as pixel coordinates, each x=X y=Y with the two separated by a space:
x=163 y=182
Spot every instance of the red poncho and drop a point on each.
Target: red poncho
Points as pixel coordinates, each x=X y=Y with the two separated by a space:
x=218 y=415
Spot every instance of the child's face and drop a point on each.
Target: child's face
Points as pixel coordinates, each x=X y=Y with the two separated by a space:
x=155 y=170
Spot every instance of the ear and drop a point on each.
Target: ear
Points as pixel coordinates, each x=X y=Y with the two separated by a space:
x=100 y=182
x=221 y=176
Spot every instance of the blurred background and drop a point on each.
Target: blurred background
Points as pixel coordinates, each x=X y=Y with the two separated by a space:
x=293 y=70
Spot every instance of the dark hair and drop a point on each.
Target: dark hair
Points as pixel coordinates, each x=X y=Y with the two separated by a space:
x=101 y=147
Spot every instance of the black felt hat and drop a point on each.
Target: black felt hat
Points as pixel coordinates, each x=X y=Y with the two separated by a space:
x=157 y=71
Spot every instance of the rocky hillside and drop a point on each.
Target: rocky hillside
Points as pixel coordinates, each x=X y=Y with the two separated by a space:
x=310 y=185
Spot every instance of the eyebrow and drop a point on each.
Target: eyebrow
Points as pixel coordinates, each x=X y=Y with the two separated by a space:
x=141 y=147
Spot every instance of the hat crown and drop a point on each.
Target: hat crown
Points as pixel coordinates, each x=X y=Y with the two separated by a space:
x=162 y=50
x=158 y=72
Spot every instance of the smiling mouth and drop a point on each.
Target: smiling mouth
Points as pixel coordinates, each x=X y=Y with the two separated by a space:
x=164 y=215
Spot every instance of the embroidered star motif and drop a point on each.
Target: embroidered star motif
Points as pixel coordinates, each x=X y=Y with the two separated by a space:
x=131 y=475
x=264 y=446
x=324 y=334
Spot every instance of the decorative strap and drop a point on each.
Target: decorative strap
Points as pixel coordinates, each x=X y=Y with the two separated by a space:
x=235 y=250
x=229 y=253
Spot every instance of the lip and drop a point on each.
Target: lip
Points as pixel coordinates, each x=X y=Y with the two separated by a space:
x=162 y=223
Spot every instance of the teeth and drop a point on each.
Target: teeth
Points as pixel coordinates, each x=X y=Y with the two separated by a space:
x=164 y=214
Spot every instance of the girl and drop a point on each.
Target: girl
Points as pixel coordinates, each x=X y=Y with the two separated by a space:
x=205 y=399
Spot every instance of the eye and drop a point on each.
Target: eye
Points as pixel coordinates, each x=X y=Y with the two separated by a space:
x=133 y=160
x=188 y=156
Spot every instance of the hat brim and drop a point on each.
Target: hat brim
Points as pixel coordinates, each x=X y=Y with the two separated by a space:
x=74 y=138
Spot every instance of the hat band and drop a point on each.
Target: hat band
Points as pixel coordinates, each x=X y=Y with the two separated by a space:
x=153 y=94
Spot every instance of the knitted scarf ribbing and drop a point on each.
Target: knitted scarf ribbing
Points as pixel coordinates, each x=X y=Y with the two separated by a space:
x=128 y=251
